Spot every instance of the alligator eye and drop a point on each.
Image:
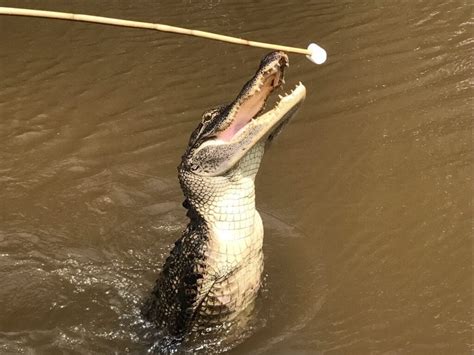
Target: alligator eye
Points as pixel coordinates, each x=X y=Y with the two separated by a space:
x=208 y=115
x=194 y=167
x=206 y=118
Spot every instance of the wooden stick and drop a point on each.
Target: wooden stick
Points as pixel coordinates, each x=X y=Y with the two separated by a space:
x=146 y=25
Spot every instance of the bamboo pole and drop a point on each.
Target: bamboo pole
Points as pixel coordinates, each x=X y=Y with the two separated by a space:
x=146 y=25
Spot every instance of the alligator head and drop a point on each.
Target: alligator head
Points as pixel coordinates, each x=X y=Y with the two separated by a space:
x=226 y=134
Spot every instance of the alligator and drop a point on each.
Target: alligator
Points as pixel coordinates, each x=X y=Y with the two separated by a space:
x=213 y=272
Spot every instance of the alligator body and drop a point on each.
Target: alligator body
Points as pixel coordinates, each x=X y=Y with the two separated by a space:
x=214 y=271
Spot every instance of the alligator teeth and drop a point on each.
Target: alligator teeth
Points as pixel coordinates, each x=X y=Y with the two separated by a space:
x=280 y=97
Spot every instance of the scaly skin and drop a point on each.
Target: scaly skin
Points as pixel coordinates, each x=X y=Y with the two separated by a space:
x=214 y=271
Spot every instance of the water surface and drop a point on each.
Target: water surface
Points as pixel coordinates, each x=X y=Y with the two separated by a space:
x=365 y=196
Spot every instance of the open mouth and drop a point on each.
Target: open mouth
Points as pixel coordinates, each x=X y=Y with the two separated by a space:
x=251 y=102
x=235 y=129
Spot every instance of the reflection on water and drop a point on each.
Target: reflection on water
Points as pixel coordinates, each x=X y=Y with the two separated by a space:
x=365 y=196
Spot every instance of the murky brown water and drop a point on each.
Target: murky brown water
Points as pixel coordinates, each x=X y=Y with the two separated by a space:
x=366 y=195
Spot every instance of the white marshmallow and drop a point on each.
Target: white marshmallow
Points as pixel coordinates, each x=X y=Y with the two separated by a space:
x=318 y=54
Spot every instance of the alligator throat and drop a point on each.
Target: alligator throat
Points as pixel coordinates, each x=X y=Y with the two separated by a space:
x=213 y=273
